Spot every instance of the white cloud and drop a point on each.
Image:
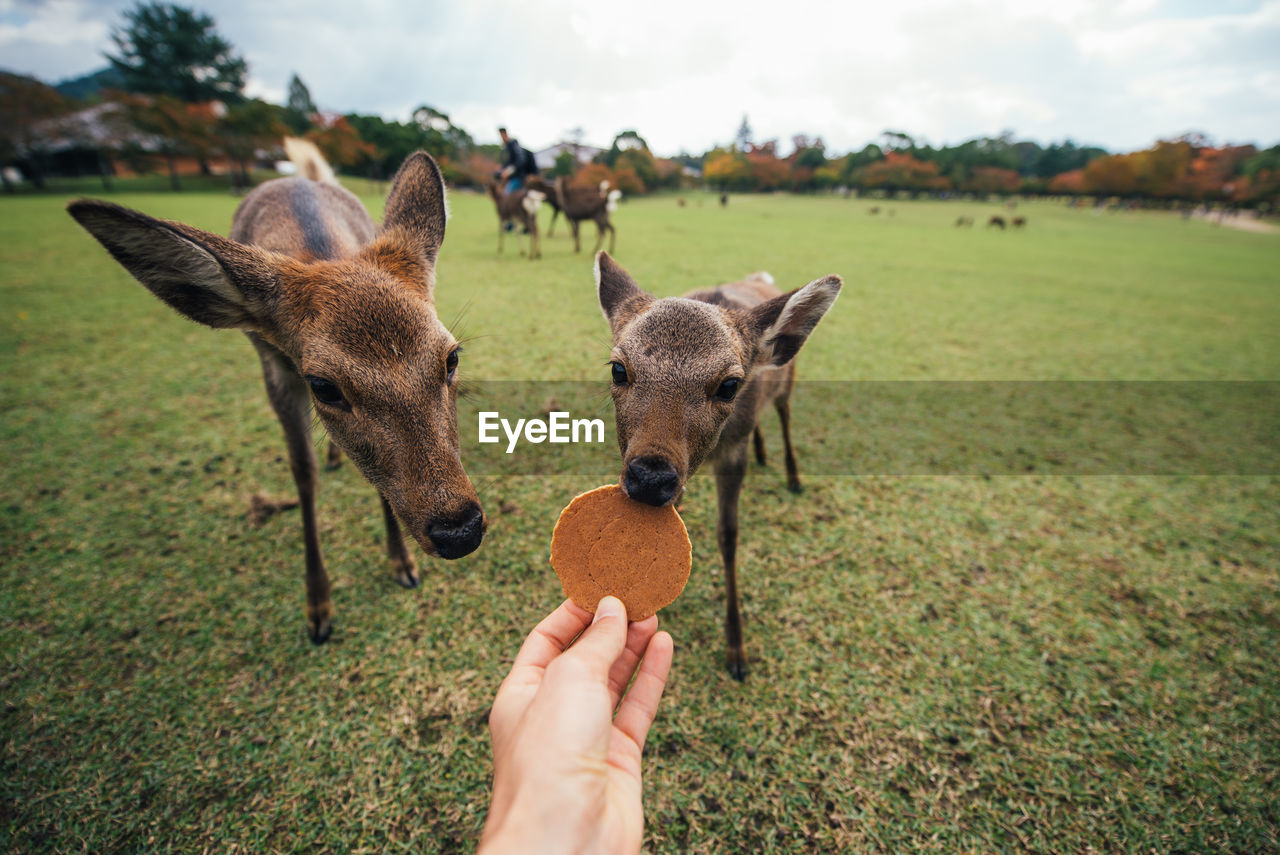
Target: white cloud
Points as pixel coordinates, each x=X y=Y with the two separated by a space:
x=683 y=74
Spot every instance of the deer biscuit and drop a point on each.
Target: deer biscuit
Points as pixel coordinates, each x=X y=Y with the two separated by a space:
x=604 y=543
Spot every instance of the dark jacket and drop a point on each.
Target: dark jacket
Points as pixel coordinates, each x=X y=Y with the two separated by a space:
x=520 y=157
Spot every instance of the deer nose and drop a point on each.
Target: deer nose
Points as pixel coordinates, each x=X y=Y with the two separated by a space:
x=459 y=535
x=651 y=480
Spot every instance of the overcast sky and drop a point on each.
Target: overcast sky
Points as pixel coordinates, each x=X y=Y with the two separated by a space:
x=1115 y=73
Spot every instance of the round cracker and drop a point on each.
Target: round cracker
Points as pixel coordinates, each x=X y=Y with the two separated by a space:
x=606 y=544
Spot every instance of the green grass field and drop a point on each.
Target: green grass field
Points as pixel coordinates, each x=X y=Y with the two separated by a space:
x=953 y=664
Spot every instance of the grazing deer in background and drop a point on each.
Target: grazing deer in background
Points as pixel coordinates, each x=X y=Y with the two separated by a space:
x=1019 y=222
x=342 y=316
x=996 y=220
x=690 y=378
x=965 y=222
x=585 y=203
x=518 y=207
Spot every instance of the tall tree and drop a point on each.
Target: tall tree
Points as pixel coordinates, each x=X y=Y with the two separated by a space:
x=440 y=135
x=247 y=127
x=742 y=138
x=300 y=97
x=299 y=108
x=165 y=49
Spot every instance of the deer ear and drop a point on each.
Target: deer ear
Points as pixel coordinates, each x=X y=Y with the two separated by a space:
x=417 y=204
x=208 y=278
x=782 y=325
x=616 y=289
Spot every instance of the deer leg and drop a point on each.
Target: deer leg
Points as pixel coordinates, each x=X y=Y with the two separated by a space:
x=334 y=458
x=402 y=566
x=758 y=438
x=551 y=229
x=613 y=237
x=291 y=400
x=783 y=406
x=573 y=227
x=599 y=238
x=534 y=250
x=730 y=470
x=501 y=223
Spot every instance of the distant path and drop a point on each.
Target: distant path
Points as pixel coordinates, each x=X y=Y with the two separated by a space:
x=1248 y=224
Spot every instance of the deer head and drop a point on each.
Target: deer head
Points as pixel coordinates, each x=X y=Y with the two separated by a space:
x=361 y=331
x=681 y=368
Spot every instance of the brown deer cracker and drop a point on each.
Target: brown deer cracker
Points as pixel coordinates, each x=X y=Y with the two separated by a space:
x=606 y=544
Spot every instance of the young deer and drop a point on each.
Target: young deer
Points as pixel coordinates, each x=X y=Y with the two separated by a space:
x=690 y=378
x=341 y=315
x=584 y=203
x=518 y=207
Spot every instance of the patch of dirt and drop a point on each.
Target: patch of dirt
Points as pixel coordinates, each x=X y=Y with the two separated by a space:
x=1239 y=221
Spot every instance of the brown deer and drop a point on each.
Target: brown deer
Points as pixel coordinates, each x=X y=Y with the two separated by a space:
x=519 y=207
x=1018 y=222
x=690 y=378
x=587 y=203
x=343 y=319
x=547 y=189
x=996 y=220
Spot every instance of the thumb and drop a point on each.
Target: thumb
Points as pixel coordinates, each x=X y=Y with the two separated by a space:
x=600 y=645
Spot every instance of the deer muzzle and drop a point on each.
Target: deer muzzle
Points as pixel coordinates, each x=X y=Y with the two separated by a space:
x=458 y=534
x=652 y=480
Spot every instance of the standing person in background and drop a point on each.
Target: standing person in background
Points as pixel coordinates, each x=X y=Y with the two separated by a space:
x=517 y=162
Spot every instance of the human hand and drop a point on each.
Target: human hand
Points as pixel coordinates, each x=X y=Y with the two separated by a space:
x=566 y=769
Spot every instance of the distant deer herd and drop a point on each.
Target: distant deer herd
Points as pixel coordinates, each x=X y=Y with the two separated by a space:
x=342 y=316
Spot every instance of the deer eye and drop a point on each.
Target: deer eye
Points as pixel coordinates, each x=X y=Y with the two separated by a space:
x=728 y=390
x=327 y=393
x=451 y=364
x=619 y=373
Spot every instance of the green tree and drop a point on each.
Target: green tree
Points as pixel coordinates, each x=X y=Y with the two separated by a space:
x=1262 y=172
x=165 y=49
x=1064 y=157
x=299 y=108
x=566 y=164
x=440 y=135
x=391 y=142
x=247 y=127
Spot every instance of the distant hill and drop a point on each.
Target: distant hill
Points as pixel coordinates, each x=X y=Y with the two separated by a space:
x=89 y=85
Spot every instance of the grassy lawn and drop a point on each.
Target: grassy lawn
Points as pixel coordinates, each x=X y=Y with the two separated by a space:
x=1055 y=663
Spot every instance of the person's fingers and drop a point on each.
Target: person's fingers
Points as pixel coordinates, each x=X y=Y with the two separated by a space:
x=547 y=641
x=638 y=708
x=624 y=667
x=552 y=635
x=599 y=645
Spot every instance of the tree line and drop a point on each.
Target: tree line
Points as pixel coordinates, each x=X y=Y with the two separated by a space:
x=173 y=94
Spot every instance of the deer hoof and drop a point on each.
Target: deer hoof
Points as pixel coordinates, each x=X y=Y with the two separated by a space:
x=319 y=633
x=406 y=573
x=320 y=623
x=795 y=487
x=737 y=663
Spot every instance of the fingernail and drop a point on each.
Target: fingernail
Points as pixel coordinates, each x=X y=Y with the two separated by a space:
x=609 y=607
